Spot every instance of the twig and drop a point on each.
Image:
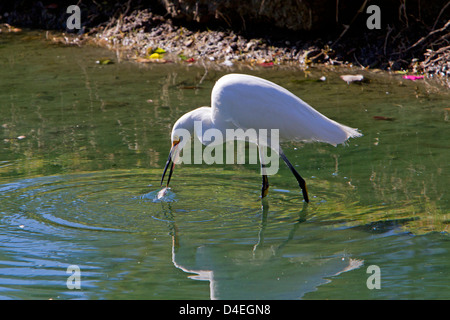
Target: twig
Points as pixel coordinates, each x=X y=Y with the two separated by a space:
x=386 y=39
x=337 y=11
x=402 y=6
x=429 y=60
x=348 y=26
x=354 y=56
x=204 y=75
x=429 y=35
x=439 y=15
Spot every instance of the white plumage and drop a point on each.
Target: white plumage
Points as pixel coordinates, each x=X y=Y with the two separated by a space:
x=240 y=101
x=252 y=102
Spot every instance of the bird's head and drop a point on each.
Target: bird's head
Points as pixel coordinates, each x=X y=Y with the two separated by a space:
x=182 y=131
x=173 y=155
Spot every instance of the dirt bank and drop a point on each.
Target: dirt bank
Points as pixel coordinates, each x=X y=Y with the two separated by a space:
x=413 y=38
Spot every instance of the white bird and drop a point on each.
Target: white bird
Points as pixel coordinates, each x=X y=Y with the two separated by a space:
x=240 y=101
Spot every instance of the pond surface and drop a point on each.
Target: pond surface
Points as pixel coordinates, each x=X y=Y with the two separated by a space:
x=82 y=150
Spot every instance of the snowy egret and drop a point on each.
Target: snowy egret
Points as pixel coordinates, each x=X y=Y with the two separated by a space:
x=241 y=101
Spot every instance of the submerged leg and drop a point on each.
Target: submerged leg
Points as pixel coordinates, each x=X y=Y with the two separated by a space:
x=265 y=186
x=300 y=180
x=265 y=180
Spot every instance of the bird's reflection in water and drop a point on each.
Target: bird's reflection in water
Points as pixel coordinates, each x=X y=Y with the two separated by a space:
x=265 y=212
x=262 y=271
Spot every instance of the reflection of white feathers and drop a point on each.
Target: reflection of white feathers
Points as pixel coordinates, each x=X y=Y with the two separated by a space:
x=237 y=273
x=247 y=277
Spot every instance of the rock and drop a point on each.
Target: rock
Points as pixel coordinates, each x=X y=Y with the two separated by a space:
x=227 y=63
x=352 y=78
x=249 y=46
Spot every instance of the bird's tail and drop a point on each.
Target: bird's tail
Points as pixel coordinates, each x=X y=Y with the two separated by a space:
x=352 y=133
x=339 y=133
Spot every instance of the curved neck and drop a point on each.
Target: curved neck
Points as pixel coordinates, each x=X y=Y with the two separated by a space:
x=198 y=122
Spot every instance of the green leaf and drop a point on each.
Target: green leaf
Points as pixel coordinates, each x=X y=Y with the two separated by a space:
x=104 y=61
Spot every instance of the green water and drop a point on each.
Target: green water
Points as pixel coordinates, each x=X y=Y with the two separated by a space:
x=83 y=146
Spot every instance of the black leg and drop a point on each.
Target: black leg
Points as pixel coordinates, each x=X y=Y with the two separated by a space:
x=300 y=180
x=265 y=186
x=265 y=180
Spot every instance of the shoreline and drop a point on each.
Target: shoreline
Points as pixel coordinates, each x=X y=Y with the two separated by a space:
x=145 y=37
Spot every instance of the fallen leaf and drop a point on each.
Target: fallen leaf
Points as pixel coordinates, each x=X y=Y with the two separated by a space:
x=11 y=28
x=266 y=64
x=104 y=61
x=383 y=118
x=155 y=55
x=190 y=87
x=159 y=50
x=143 y=60
x=52 y=6
x=413 y=78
